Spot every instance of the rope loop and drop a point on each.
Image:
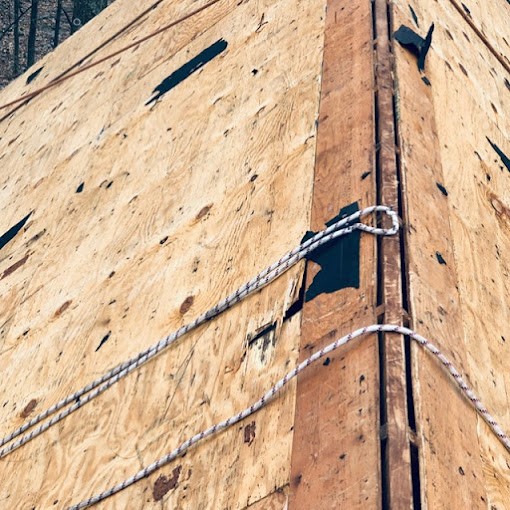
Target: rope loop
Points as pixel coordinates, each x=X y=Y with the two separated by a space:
x=84 y=395
x=342 y=227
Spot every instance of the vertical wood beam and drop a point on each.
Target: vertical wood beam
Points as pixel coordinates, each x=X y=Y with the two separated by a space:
x=396 y=463
x=335 y=457
x=318 y=480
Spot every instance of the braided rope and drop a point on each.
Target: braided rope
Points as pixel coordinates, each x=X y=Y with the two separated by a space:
x=268 y=396
x=98 y=386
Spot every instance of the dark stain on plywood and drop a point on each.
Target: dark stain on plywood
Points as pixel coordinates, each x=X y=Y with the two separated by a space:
x=63 y=308
x=186 y=304
x=15 y=266
x=203 y=212
x=249 y=433
x=501 y=209
x=164 y=484
x=188 y=69
x=28 y=408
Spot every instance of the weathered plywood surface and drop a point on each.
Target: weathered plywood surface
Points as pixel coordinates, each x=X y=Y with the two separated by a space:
x=179 y=204
x=484 y=21
x=458 y=254
x=335 y=458
x=490 y=19
x=236 y=469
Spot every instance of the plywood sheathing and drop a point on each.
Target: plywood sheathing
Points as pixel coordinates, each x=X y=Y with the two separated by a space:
x=456 y=189
x=100 y=30
x=335 y=457
x=488 y=22
x=179 y=205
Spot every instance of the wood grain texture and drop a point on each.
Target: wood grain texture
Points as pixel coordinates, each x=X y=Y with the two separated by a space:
x=462 y=302
x=485 y=21
x=489 y=23
x=179 y=204
x=277 y=500
x=335 y=457
x=397 y=451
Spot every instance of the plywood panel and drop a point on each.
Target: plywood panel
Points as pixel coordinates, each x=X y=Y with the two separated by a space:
x=113 y=20
x=144 y=217
x=490 y=20
x=458 y=262
x=335 y=460
x=484 y=21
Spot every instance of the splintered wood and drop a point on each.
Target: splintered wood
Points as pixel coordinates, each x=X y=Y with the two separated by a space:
x=142 y=218
x=458 y=225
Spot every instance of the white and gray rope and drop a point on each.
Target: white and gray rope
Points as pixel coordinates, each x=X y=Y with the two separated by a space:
x=98 y=386
x=376 y=328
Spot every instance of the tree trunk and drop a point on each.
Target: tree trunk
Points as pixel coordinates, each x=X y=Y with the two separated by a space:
x=58 y=15
x=17 y=13
x=85 y=10
x=32 y=34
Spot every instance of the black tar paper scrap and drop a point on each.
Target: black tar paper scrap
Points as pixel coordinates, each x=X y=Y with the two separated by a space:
x=415 y=43
x=339 y=259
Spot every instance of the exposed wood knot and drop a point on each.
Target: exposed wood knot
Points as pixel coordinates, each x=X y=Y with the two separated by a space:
x=499 y=206
x=203 y=212
x=249 y=433
x=14 y=267
x=186 y=304
x=29 y=408
x=164 y=484
x=63 y=308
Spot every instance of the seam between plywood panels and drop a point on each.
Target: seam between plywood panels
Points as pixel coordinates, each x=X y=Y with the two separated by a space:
x=399 y=452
